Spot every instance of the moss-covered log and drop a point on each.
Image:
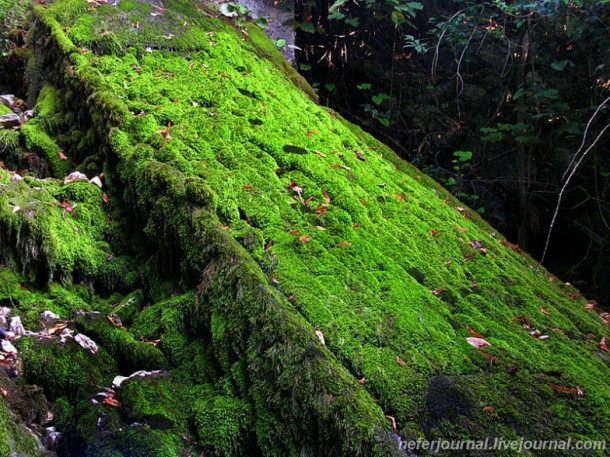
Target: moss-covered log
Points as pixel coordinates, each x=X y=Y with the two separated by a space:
x=281 y=255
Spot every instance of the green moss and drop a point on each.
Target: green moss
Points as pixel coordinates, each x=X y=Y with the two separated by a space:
x=65 y=370
x=201 y=139
x=224 y=425
x=5 y=110
x=130 y=354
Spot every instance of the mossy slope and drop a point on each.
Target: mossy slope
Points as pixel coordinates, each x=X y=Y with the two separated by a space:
x=272 y=218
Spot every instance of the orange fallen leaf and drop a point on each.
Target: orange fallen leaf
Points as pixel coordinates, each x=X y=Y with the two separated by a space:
x=488 y=357
x=319 y=227
x=224 y=227
x=545 y=311
x=567 y=390
x=489 y=409
x=448 y=264
x=473 y=285
x=3 y=392
x=523 y=320
x=463 y=230
x=294 y=232
x=105 y=197
x=62 y=156
x=362 y=381
x=603 y=346
x=401 y=362
x=590 y=306
x=69 y=208
x=155 y=342
x=434 y=232
x=269 y=244
x=474 y=333
x=459 y=209
x=356 y=226
x=111 y=402
x=248 y=187
x=478 y=342
x=305 y=238
x=605 y=317
x=400 y=197
x=393 y=423
x=513 y=371
x=343 y=244
x=326 y=197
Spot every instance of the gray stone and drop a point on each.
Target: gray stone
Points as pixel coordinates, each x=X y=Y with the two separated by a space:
x=7 y=100
x=10 y=120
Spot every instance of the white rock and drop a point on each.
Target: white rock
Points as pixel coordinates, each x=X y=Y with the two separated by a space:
x=75 y=176
x=10 y=120
x=7 y=100
x=48 y=316
x=97 y=181
x=87 y=343
x=118 y=380
x=321 y=336
x=8 y=347
x=16 y=177
x=65 y=334
x=16 y=326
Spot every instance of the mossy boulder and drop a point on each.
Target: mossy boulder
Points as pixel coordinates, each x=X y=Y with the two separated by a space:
x=302 y=287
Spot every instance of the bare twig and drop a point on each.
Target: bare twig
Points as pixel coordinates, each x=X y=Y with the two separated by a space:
x=584 y=137
x=438 y=45
x=565 y=185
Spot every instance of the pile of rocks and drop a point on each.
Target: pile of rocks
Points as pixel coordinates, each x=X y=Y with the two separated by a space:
x=20 y=114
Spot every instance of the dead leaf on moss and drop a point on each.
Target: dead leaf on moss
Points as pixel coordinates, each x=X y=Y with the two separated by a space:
x=305 y=238
x=545 y=311
x=478 y=342
x=474 y=333
x=296 y=188
x=438 y=291
x=269 y=244
x=567 y=390
x=523 y=320
x=343 y=244
x=401 y=362
x=603 y=346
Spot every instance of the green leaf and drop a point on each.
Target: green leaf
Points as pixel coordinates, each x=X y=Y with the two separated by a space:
x=355 y=22
x=364 y=86
x=307 y=27
x=398 y=18
x=463 y=156
x=561 y=65
x=384 y=122
x=305 y=67
x=329 y=87
x=379 y=98
x=280 y=43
